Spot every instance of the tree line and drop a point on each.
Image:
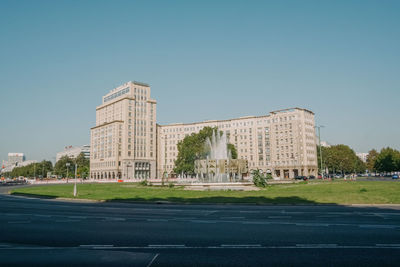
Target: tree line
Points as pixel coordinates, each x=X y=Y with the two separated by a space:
x=68 y=170
x=60 y=169
x=39 y=169
x=340 y=159
x=343 y=159
x=387 y=160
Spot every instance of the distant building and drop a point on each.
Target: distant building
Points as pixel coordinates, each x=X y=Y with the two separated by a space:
x=362 y=156
x=325 y=144
x=74 y=151
x=15 y=158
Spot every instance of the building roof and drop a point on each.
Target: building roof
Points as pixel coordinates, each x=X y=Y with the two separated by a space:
x=240 y=118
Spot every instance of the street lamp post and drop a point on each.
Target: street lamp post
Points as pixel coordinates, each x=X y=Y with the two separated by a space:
x=67 y=164
x=75 y=181
x=320 y=148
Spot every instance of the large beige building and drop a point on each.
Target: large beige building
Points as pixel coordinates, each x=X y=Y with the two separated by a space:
x=123 y=142
x=126 y=142
x=282 y=142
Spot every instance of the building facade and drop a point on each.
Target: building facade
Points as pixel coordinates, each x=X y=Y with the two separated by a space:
x=362 y=156
x=282 y=142
x=123 y=142
x=74 y=151
x=15 y=158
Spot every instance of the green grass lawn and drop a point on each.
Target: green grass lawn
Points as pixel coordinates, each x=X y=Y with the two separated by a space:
x=336 y=192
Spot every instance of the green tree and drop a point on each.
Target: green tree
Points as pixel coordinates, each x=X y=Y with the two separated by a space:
x=83 y=167
x=387 y=160
x=60 y=168
x=233 y=150
x=193 y=147
x=39 y=169
x=44 y=167
x=342 y=158
x=371 y=159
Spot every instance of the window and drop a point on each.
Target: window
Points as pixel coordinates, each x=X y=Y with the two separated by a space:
x=116 y=94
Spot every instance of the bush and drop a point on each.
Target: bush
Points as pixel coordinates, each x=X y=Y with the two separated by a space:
x=144 y=183
x=171 y=185
x=260 y=180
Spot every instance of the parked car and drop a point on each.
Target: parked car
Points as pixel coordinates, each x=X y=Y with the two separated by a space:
x=395 y=176
x=299 y=177
x=311 y=177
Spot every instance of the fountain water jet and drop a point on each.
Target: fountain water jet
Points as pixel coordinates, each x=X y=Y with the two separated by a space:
x=219 y=167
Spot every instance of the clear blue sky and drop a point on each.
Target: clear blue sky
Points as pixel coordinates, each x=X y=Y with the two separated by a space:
x=204 y=60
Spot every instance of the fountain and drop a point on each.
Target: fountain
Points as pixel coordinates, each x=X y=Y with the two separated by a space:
x=219 y=167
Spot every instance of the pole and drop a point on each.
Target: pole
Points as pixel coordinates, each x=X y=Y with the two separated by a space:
x=75 y=182
x=320 y=148
x=67 y=165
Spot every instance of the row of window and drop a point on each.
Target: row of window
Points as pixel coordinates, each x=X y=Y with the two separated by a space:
x=116 y=94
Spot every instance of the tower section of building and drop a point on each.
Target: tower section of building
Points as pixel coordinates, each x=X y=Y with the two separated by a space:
x=123 y=142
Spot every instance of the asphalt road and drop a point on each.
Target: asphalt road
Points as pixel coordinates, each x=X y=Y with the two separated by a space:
x=50 y=232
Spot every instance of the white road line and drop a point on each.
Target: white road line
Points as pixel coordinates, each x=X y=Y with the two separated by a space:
x=317 y=245
x=279 y=217
x=45 y=216
x=12 y=222
x=312 y=224
x=95 y=246
x=166 y=246
x=232 y=217
x=241 y=245
x=151 y=262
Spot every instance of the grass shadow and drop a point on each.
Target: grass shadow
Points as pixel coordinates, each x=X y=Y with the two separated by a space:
x=33 y=195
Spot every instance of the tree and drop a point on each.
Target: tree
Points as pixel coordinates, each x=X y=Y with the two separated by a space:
x=83 y=167
x=33 y=170
x=44 y=167
x=371 y=159
x=61 y=167
x=387 y=160
x=342 y=158
x=233 y=150
x=193 y=147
